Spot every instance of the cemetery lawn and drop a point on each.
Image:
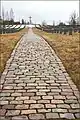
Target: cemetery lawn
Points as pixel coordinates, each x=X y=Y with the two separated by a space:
x=7 y=44
x=67 y=49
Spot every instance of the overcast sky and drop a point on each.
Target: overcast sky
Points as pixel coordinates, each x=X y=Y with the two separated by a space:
x=42 y=10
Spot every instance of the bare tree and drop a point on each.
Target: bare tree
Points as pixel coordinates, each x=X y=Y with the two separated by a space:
x=11 y=14
x=53 y=23
x=3 y=13
x=7 y=16
x=73 y=18
x=78 y=21
x=3 y=27
x=23 y=22
x=44 y=23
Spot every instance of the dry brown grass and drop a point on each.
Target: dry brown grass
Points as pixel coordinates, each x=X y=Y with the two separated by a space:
x=7 y=44
x=67 y=48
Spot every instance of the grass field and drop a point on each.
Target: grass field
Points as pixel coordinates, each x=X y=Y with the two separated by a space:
x=7 y=44
x=67 y=48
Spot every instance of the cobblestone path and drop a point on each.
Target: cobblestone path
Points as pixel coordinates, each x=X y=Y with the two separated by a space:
x=35 y=84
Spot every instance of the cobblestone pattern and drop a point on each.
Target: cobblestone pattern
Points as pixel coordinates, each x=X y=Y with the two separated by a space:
x=35 y=84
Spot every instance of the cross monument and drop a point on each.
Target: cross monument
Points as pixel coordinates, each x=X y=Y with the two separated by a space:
x=30 y=20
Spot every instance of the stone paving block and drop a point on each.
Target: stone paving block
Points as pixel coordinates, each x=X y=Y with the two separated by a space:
x=16 y=102
x=25 y=112
x=36 y=106
x=50 y=105
x=75 y=106
x=52 y=87
x=44 y=110
x=4 y=94
x=29 y=101
x=77 y=110
x=47 y=97
x=77 y=115
x=8 y=106
x=57 y=101
x=8 y=87
x=59 y=97
x=35 y=98
x=21 y=84
x=2 y=112
x=55 y=90
x=52 y=115
x=29 y=94
x=71 y=97
x=53 y=93
x=43 y=84
x=22 y=98
x=32 y=84
x=16 y=94
x=40 y=93
x=71 y=101
x=23 y=106
x=55 y=84
x=6 y=98
x=32 y=90
x=67 y=115
x=67 y=93
x=12 y=112
x=77 y=94
x=41 y=87
x=3 y=102
x=4 y=118
x=30 y=87
x=7 y=92
x=44 y=90
x=43 y=101
x=20 y=91
x=67 y=90
x=20 y=118
x=36 y=116
x=63 y=106
x=59 y=110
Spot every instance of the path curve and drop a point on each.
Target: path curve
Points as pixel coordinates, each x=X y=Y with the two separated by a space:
x=35 y=84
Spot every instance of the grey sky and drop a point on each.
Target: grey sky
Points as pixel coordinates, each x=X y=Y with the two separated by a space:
x=42 y=10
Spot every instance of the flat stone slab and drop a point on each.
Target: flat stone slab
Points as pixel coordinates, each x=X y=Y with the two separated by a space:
x=35 y=84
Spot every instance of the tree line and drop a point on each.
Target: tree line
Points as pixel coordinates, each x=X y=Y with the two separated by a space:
x=7 y=17
x=73 y=20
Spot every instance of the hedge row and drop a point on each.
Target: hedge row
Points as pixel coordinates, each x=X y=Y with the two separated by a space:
x=10 y=30
x=60 y=30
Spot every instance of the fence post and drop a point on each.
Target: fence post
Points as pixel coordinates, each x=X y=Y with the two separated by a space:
x=70 y=31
